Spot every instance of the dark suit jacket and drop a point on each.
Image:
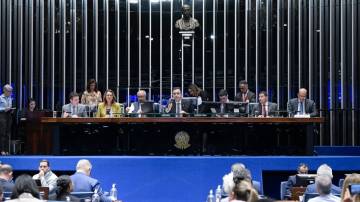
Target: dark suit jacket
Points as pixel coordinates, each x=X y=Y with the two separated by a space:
x=185 y=106
x=84 y=183
x=310 y=107
x=6 y=185
x=250 y=96
x=311 y=188
x=272 y=108
x=290 y=184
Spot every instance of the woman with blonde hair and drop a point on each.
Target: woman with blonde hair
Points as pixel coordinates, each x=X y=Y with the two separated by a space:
x=353 y=178
x=243 y=191
x=109 y=107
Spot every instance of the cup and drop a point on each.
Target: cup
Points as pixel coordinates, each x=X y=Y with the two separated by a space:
x=54 y=114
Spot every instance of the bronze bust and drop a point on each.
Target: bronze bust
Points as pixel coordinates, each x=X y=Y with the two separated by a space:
x=186 y=23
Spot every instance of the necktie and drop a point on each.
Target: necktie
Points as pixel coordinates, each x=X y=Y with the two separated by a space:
x=302 y=108
x=263 y=110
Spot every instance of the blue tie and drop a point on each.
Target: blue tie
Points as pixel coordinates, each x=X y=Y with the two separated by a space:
x=302 y=107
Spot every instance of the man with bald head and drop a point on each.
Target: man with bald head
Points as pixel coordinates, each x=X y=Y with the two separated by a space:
x=135 y=107
x=82 y=181
x=301 y=105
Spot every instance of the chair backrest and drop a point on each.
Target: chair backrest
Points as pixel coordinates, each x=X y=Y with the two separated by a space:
x=282 y=190
x=257 y=186
x=82 y=195
x=341 y=182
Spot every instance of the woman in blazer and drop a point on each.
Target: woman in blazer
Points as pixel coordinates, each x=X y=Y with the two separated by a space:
x=109 y=108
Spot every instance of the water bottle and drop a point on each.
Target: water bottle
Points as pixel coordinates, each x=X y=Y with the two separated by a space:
x=113 y=192
x=218 y=193
x=210 y=197
x=95 y=197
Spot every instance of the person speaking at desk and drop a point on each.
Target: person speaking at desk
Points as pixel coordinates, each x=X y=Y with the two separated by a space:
x=74 y=109
x=301 y=105
x=135 y=107
x=264 y=108
x=177 y=105
x=109 y=108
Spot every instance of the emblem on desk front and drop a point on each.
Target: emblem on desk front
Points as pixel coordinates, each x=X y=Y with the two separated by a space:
x=182 y=139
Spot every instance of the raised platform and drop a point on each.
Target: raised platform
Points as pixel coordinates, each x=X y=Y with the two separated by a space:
x=182 y=179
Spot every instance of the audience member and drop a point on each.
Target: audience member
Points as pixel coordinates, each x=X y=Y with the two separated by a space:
x=243 y=191
x=6 y=175
x=301 y=105
x=109 y=108
x=238 y=173
x=6 y=111
x=264 y=108
x=353 y=178
x=74 y=109
x=25 y=189
x=1 y=194
x=323 y=170
x=84 y=183
x=177 y=104
x=302 y=169
x=245 y=95
x=46 y=176
x=64 y=187
x=323 y=187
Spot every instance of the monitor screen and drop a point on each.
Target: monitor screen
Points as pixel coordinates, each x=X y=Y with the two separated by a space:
x=303 y=180
x=237 y=107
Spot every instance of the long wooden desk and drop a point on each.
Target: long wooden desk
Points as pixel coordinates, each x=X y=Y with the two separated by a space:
x=48 y=123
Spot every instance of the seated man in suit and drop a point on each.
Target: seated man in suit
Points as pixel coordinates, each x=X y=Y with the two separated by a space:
x=82 y=182
x=301 y=105
x=323 y=170
x=6 y=176
x=302 y=169
x=245 y=95
x=46 y=176
x=135 y=107
x=177 y=104
x=323 y=187
x=74 y=109
x=223 y=99
x=264 y=108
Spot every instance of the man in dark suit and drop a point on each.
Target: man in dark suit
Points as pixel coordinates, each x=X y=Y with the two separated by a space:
x=245 y=95
x=223 y=98
x=74 y=109
x=6 y=177
x=302 y=169
x=135 y=106
x=301 y=105
x=82 y=181
x=177 y=104
x=264 y=108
